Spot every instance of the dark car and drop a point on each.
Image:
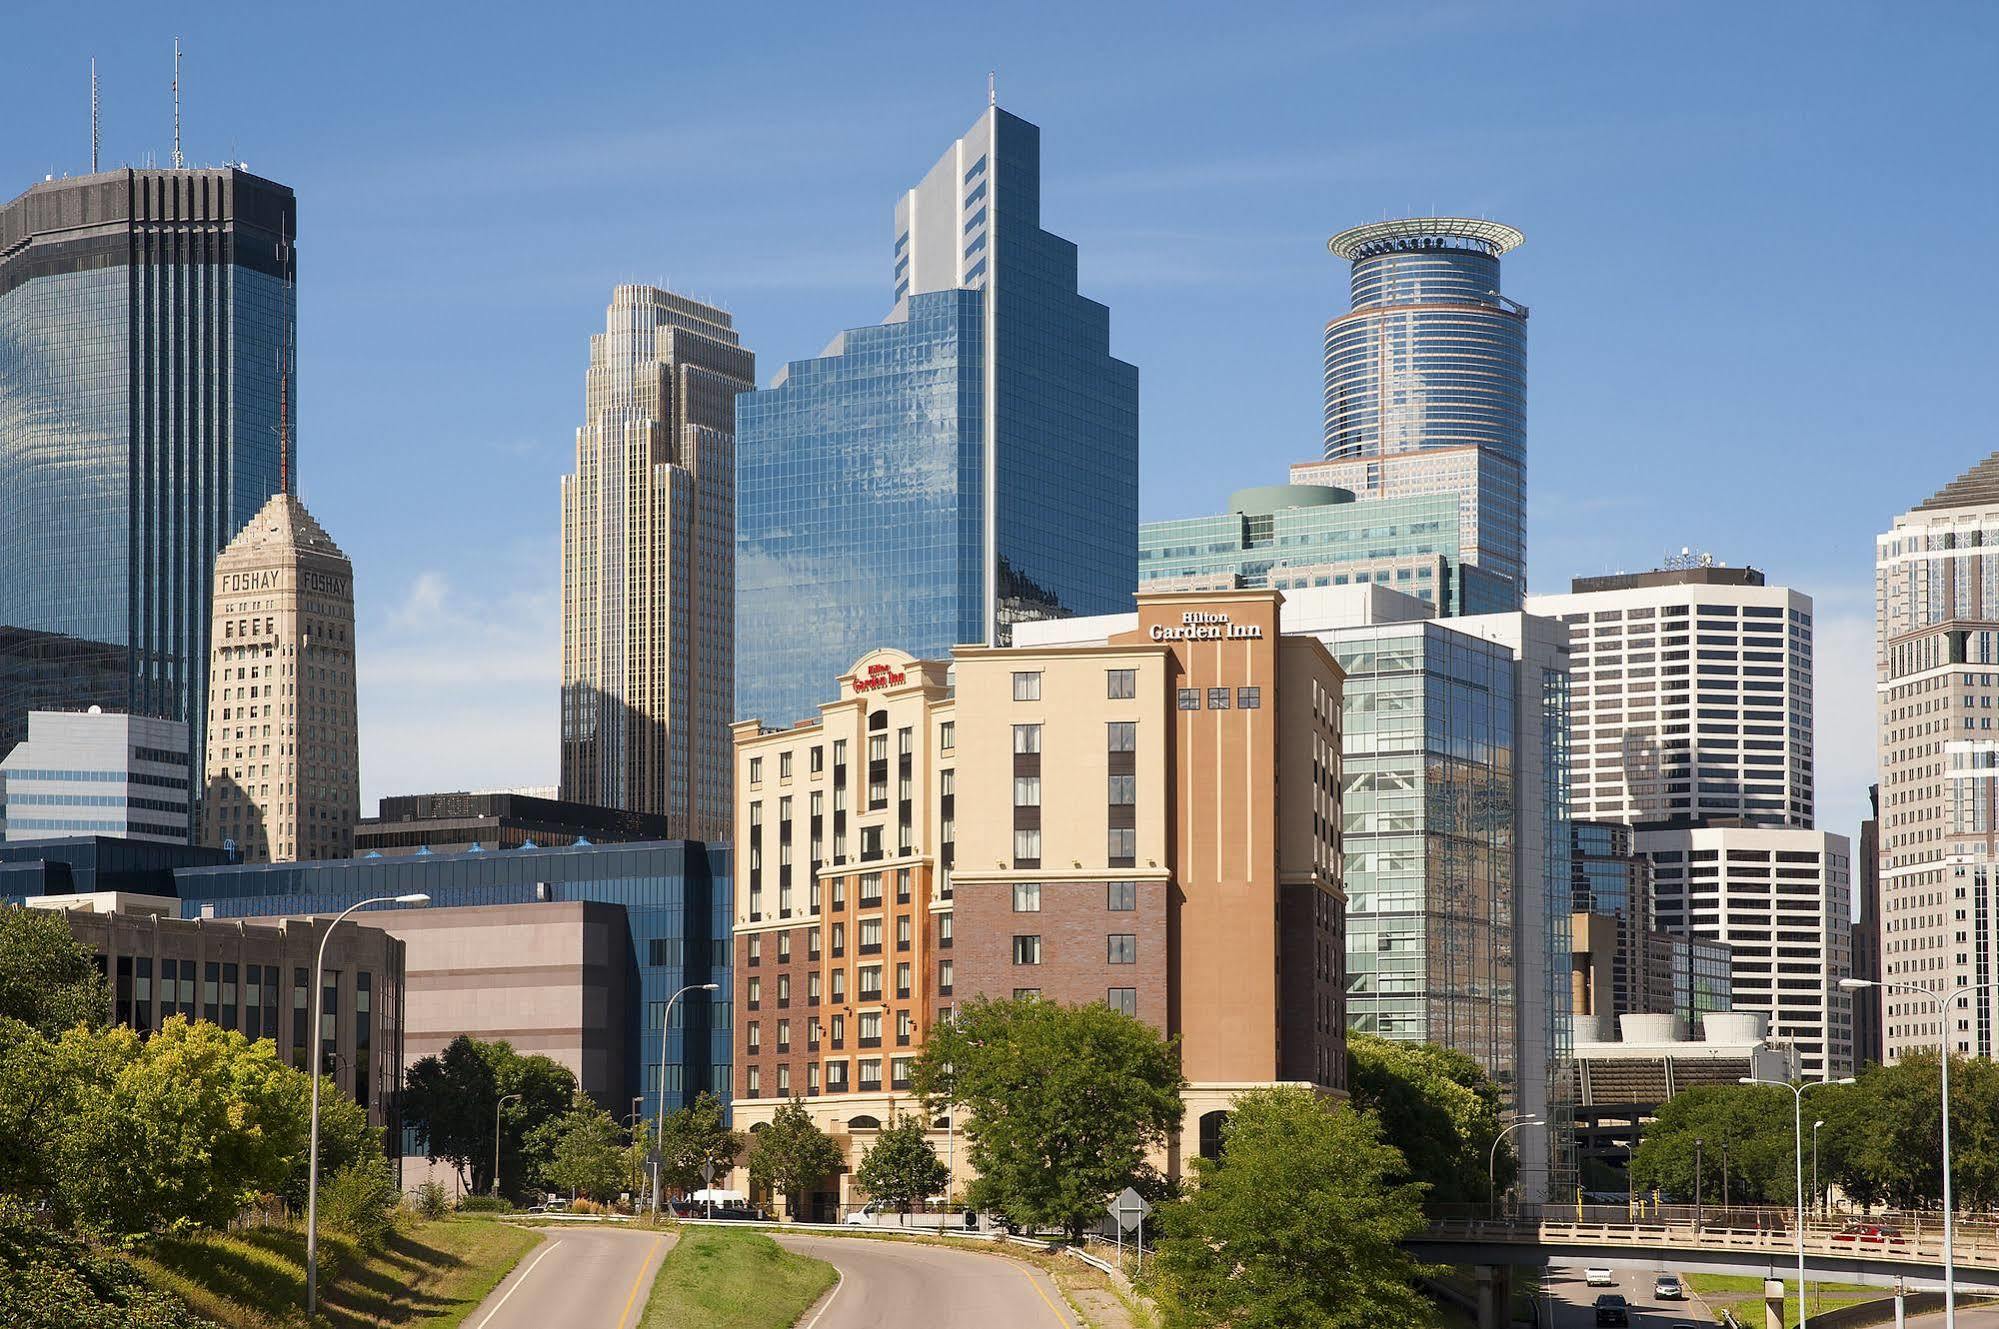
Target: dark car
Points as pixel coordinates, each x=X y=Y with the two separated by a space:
x=1612 y=1310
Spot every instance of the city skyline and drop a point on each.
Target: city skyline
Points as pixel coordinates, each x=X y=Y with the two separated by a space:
x=1629 y=220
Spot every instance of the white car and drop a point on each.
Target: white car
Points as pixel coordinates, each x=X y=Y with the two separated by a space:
x=1668 y=1288
x=1598 y=1276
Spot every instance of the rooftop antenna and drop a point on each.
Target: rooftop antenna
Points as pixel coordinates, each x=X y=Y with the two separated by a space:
x=96 y=135
x=284 y=377
x=177 y=156
x=992 y=87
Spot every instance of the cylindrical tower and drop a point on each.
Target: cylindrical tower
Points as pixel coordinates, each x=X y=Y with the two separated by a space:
x=1431 y=354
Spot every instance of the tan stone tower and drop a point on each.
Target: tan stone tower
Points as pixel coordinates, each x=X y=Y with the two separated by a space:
x=649 y=564
x=282 y=767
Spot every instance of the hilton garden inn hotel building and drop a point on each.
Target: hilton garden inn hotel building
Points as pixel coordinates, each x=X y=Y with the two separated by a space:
x=1147 y=818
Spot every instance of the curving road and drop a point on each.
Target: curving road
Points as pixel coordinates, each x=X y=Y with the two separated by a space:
x=903 y=1285
x=582 y=1276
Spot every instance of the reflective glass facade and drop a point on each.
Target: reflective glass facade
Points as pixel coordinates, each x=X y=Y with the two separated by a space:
x=142 y=315
x=970 y=463
x=676 y=895
x=1431 y=356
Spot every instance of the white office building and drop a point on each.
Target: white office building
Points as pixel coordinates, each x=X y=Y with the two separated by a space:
x=1691 y=699
x=97 y=773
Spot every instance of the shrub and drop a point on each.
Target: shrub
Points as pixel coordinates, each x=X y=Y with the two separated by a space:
x=484 y=1204
x=431 y=1201
x=50 y=1280
x=361 y=1200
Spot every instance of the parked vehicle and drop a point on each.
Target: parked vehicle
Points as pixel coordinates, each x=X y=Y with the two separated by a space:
x=1612 y=1311
x=875 y=1214
x=1870 y=1234
x=1598 y=1276
x=1668 y=1288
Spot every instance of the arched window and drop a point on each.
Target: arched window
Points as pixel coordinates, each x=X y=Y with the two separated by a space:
x=1212 y=1126
x=863 y=1123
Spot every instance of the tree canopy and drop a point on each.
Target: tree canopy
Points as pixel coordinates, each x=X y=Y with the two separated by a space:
x=1064 y=1102
x=450 y=1100
x=791 y=1156
x=1746 y=1132
x=584 y=1152
x=900 y=1167
x=48 y=981
x=1296 y=1225
x=1439 y=1109
x=693 y=1137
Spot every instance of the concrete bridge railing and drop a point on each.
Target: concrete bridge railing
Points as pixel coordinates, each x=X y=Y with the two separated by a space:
x=1977 y=1245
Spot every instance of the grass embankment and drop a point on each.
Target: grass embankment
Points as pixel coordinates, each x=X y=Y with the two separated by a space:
x=428 y=1276
x=725 y=1278
x=1743 y=1294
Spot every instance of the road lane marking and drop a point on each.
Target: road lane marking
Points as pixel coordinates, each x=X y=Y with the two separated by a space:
x=632 y=1296
x=517 y=1283
x=840 y=1281
x=1060 y=1318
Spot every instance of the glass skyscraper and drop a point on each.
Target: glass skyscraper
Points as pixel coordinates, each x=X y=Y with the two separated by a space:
x=967 y=464
x=143 y=318
x=1426 y=380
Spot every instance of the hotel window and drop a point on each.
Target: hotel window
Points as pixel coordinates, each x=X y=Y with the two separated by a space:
x=947 y=735
x=870 y=1027
x=839 y=939
x=871 y=890
x=755 y=950
x=1122 y=846
x=784 y=1080
x=868 y=982
x=1120 y=684
x=1123 y=790
x=905 y=1028
x=1027 y=791
x=871 y=936
x=1027 y=687
x=839 y=985
x=1190 y=699
x=945 y=971
x=870 y=1073
x=1123 y=999
x=812 y=1078
x=902 y=895
x=836 y=1077
x=904 y=933
x=811 y=988
x=1218 y=699
x=903 y=739
x=944 y=932
x=1121 y=896
x=818 y=761
x=1121 y=948
x=899 y=1072
x=1122 y=735
x=784 y=765
x=1027 y=897
x=784 y=990
x=812 y=944
x=1248 y=699
x=753 y=1035
x=837 y=1031
x=1026 y=738
x=756 y=992
x=903 y=979
x=756 y=770
x=1027 y=949
x=784 y=948
x=752 y=1081
x=784 y=1035
x=1027 y=846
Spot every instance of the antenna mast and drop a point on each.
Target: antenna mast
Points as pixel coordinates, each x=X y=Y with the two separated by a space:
x=96 y=135
x=992 y=87
x=285 y=377
x=177 y=156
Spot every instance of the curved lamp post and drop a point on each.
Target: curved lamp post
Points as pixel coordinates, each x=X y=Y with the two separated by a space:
x=509 y=1098
x=1816 y=1126
x=665 y=1028
x=1943 y=1001
x=1798 y=1123
x=1492 y=1162
x=312 y=1165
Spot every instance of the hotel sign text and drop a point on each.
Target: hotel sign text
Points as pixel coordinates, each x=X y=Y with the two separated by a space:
x=1205 y=627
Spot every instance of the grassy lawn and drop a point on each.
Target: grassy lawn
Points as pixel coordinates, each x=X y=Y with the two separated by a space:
x=723 y=1278
x=1743 y=1293
x=431 y=1276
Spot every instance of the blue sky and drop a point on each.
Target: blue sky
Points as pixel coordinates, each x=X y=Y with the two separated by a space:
x=1757 y=258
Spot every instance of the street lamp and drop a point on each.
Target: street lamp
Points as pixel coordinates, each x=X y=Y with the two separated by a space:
x=510 y=1098
x=1492 y=1162
x=1698 y=1142
x=312 y=1163
x=665 y=1028
x=1798 y=1124
x=1815 y=1166
x=1943 y=1001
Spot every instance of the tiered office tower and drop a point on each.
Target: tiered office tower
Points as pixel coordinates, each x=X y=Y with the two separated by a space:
x=1426 y=385
x=144 y=316
x=283 y=770
x=96 y=773
x=1937 y=692
x=1691 y=709
x=969 y=463
x=648 y=564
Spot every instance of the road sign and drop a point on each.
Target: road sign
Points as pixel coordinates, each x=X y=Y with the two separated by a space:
x=652 y=1159
x=1129 y=1208
x=708 y=1173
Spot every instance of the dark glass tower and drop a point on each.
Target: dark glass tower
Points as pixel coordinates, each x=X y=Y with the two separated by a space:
x=143 y=316
x=969 y=463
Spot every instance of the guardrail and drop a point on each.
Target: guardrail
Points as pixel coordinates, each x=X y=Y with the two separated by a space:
x=1977 y=1248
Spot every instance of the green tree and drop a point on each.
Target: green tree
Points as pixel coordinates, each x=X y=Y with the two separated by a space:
x=1884 y=1136
x=792 y=1156
x=693 y=1137
x=1747 y=1129
x=1064 y=1103
x=450 y=1100
x=585 y=1156
x=900 y=1167
x=1297 y=1225
x=1438 y=1107
x=48 y=981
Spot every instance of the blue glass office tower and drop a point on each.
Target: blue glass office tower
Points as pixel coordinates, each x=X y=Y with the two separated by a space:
x=143 y=315
x=969 y=463
x=1426 y=380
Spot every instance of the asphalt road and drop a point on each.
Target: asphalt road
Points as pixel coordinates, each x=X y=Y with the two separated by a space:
x=1575 y=1302
x=583 y=1276
x=902 y=1285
